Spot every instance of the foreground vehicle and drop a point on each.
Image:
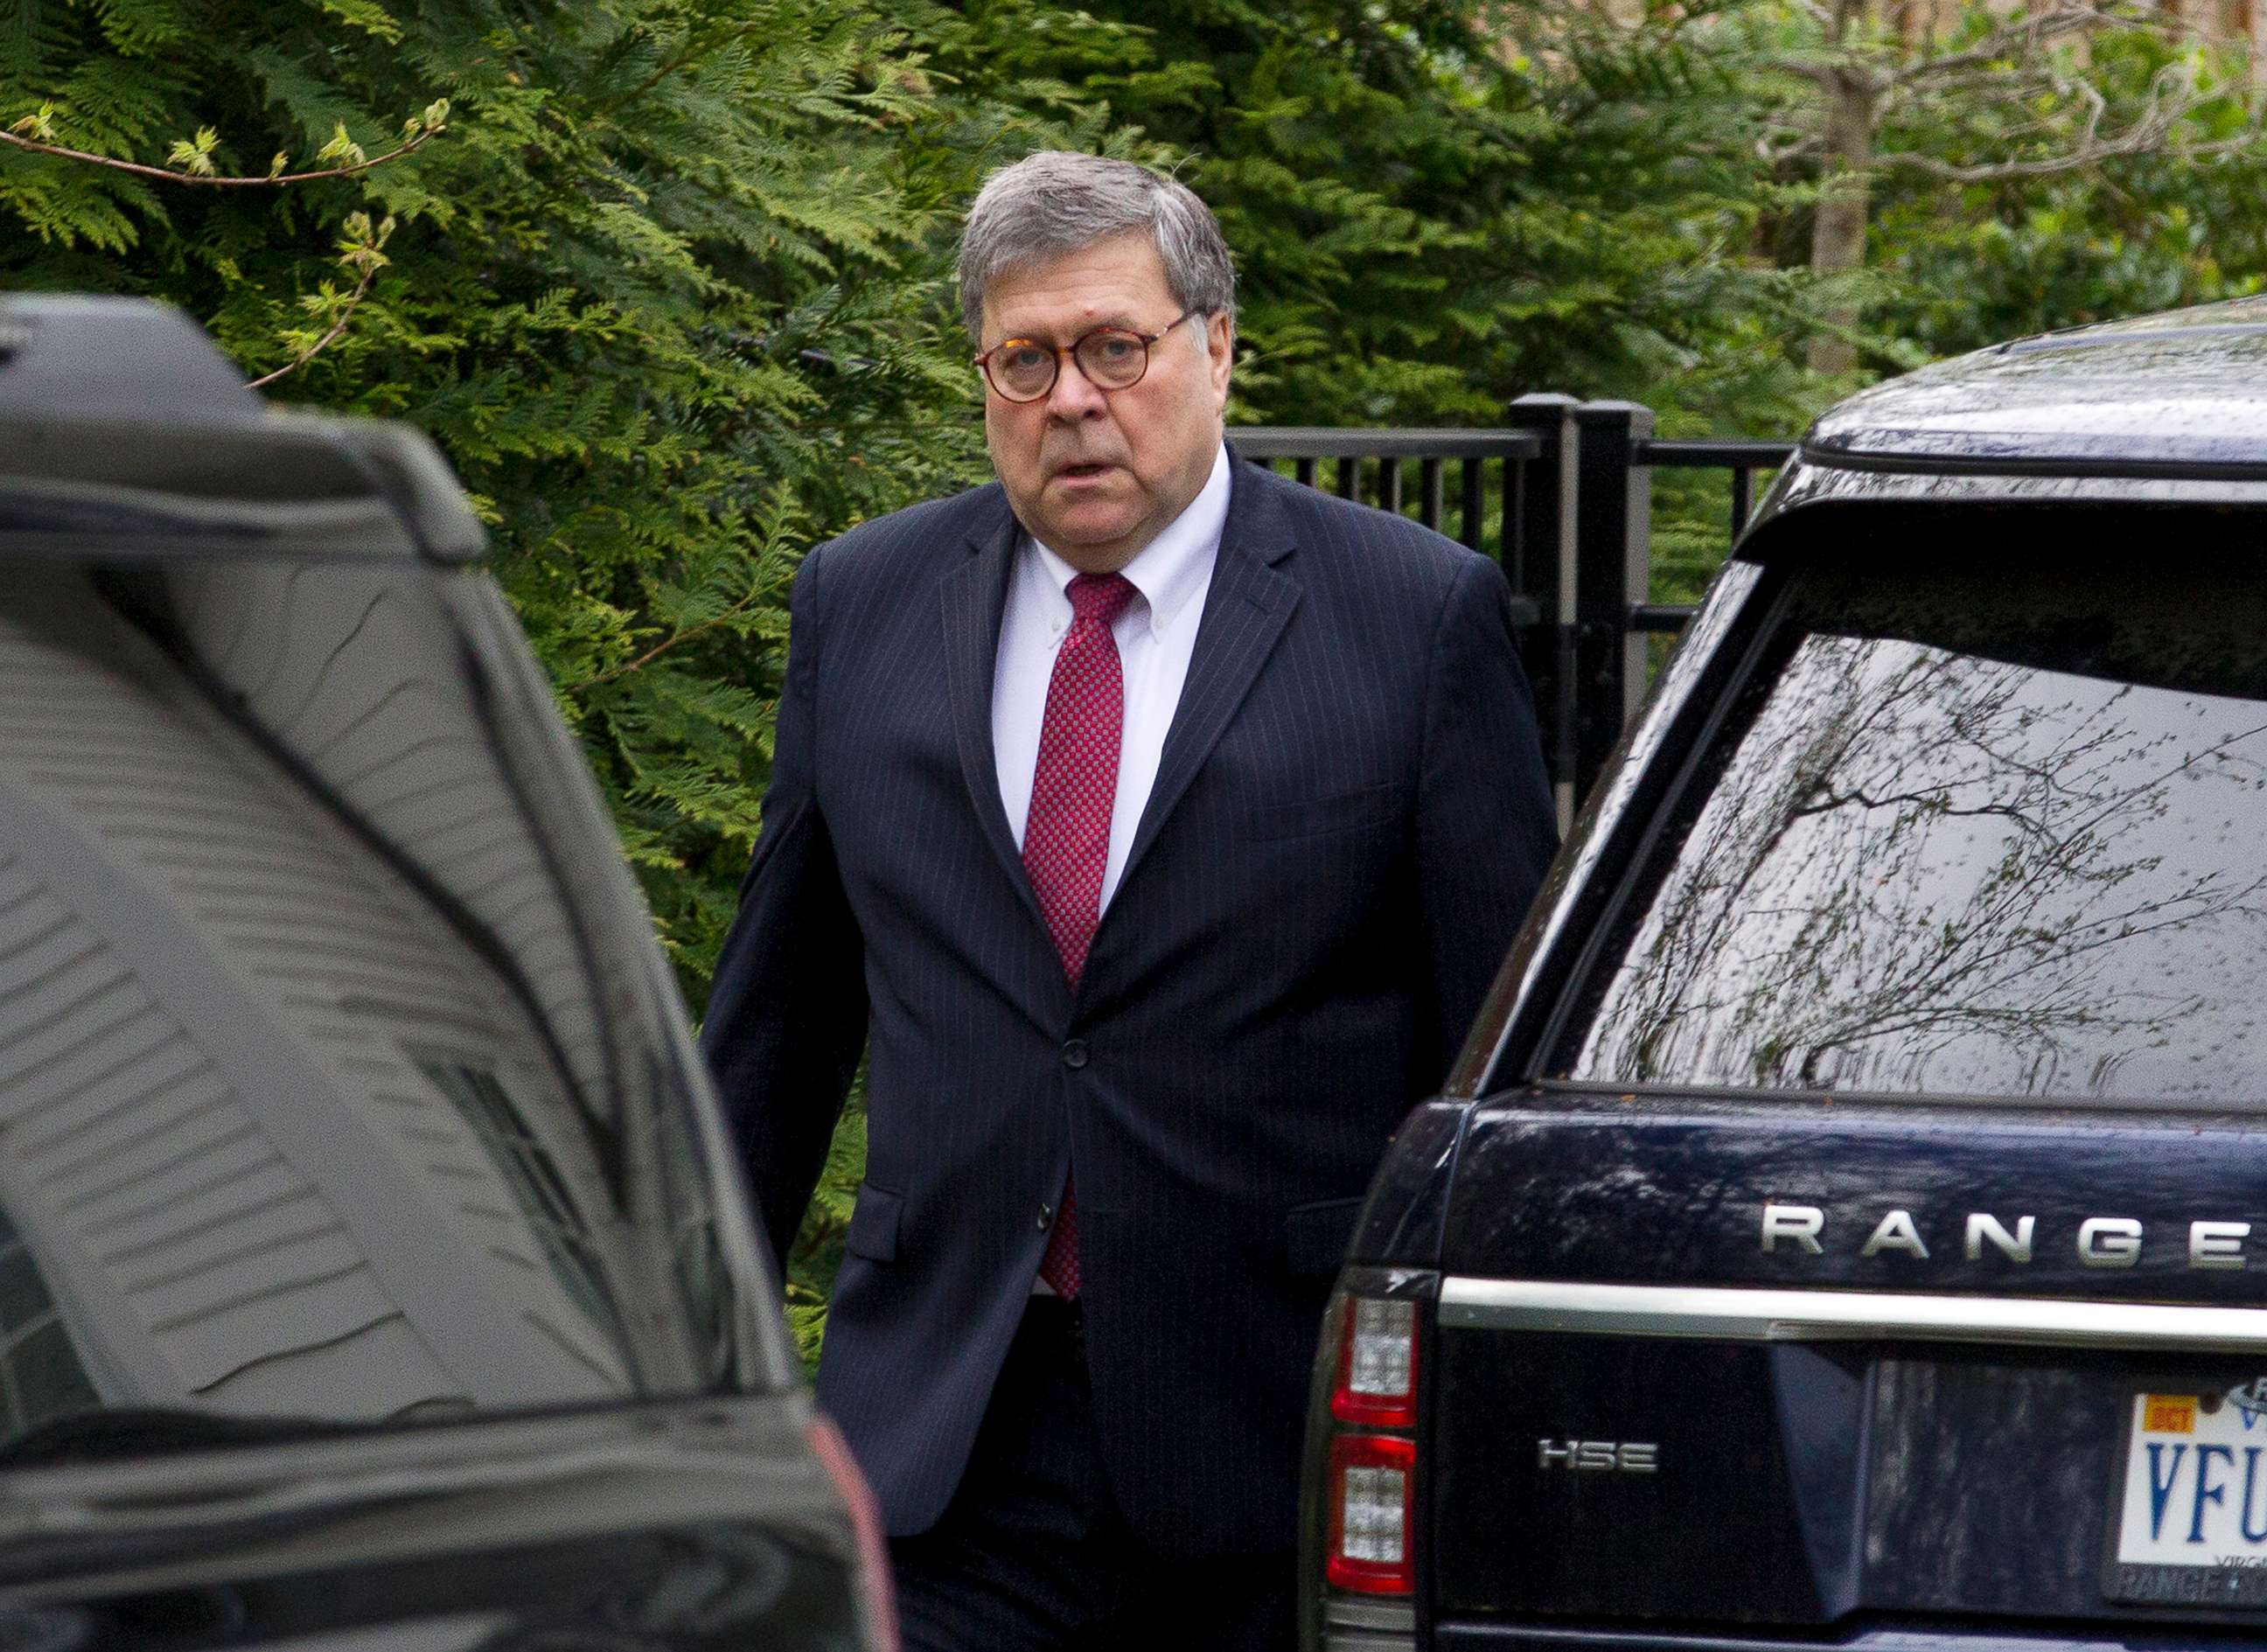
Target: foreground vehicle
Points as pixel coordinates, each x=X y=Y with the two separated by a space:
x=370 y=1273
x=1846 y=1225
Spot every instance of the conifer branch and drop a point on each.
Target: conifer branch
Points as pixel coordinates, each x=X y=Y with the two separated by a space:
x=662 y=647
x=34 y=132
x=690 y=55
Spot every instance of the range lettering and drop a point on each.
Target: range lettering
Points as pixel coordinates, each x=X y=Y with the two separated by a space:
x=2097 y=1241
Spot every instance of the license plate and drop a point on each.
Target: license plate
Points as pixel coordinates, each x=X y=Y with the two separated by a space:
x=2188 y=1524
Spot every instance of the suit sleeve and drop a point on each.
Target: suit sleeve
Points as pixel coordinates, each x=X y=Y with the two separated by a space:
x=786 y=1014
x=1486 y=825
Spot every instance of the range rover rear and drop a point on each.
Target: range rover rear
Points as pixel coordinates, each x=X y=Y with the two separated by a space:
x=1847 y=1224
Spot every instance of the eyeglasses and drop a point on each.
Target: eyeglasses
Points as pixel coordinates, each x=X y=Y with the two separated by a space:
x=1111 y=358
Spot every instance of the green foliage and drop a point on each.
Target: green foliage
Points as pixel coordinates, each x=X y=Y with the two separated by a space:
x=1436 y=206
x=1978 y=263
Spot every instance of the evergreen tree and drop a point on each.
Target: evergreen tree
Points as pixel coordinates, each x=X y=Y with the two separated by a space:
x=1437 y=205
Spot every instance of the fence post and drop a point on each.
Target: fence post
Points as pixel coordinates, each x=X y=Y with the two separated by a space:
x=1543 y=571
x=1613 y=552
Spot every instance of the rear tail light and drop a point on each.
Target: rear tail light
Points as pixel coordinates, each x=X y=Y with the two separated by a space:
x=1359 y=1534
x=1368 y=1488
x=826 y=1444
x=1377 y=1382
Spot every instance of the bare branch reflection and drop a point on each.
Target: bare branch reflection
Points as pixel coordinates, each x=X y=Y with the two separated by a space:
x=1923 y=870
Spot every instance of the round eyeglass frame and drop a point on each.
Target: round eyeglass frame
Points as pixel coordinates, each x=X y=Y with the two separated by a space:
x=1075 y=351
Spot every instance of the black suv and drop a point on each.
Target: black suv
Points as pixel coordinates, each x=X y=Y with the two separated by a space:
x=1846 y=1226
x=372 y=1271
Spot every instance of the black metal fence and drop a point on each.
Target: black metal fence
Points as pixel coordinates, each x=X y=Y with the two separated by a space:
x=1562 y=498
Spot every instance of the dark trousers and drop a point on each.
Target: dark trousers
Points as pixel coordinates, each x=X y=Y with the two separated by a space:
x=1032 y=1554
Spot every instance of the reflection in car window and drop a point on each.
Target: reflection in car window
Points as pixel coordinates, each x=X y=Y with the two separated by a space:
x=324 y=1097
x=1969 y=836
x=40 y=1377
x=553 y=1214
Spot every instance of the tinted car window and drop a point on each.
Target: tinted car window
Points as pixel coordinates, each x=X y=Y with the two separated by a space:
x=338 y=1081
x=1986 y=822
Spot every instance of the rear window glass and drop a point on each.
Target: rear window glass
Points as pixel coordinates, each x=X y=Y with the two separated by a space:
x=332 y=1092
x=1984 y=822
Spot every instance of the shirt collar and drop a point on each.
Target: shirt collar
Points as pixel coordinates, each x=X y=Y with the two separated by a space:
x=1169 y=569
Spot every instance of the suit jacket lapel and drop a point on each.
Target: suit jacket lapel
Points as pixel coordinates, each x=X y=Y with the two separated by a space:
x=1245 y=610
x=975 y=595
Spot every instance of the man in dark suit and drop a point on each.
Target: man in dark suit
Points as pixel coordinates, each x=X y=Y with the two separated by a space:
x=1156 y=826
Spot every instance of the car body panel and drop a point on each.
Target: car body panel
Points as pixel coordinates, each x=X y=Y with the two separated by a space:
x=2178 y=395
x=1556 y=1184
x=667 y=1526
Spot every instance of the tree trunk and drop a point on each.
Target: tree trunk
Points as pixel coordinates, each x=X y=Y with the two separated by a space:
x=1837 y=233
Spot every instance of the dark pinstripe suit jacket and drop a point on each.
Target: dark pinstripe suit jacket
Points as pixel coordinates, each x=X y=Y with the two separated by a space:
x=1347 y=824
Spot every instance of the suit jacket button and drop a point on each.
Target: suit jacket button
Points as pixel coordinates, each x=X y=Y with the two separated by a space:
x=1046 y=1217
x=1073 y=1054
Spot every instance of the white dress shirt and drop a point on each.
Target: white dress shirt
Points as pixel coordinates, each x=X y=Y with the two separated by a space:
x=1156 y=635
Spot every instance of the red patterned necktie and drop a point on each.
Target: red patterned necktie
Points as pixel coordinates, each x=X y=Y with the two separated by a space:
x=1067 y=834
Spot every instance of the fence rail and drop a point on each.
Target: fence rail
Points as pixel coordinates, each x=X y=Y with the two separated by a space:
x=1743 y=459
x=1562 y=499
x=1491 y=469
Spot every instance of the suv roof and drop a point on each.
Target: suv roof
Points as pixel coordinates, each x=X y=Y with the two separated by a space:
x=2181 y=395
x=121 y=422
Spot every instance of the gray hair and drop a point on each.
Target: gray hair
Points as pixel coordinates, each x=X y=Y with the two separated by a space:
x=1056 y=201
